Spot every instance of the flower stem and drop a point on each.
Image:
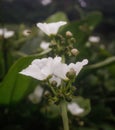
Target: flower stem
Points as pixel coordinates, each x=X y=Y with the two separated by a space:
x=52 y=89
x=64 y=115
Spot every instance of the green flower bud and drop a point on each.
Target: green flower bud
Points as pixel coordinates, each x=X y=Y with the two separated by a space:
x=54 y=83
x=71 y=74
x=73 y=40
x=47 y=94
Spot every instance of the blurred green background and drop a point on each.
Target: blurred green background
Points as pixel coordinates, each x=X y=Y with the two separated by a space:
x=93 y=25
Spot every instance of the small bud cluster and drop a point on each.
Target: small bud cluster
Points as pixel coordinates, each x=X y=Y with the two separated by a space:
x=63 y=45
x=63 y=92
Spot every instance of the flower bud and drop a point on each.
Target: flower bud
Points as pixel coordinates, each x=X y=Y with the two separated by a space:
x=54 y=83
x=72 y=40
x=69 y=34
x=71 y=74
x=26 y=32
x=74 y=52
x=47 y=94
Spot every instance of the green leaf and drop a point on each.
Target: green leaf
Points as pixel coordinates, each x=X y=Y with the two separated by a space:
x=59 y=16
x=15 y=86
x=104 y=63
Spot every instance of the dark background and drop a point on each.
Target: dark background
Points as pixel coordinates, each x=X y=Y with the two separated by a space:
x=30 y=11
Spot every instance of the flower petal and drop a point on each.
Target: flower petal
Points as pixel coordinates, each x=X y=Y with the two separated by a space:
x=51 y=28
x=75 y=109
x=44 y=45
x=78 y=66
x=57 y=79
x=35 y=69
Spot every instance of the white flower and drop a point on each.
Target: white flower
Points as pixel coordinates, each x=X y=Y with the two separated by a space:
x=36 y=96
x=5 y=33
x=36 y=69
x=95 y=39
x=44 y=45
x=41 y=69
x=74 y=108
x=46 y=2
x=51 y=28
x=78 y=66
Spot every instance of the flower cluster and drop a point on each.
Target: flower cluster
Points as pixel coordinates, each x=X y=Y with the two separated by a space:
x=52 y=69
x=62 y=45
x=55 y=73
x=36 y=96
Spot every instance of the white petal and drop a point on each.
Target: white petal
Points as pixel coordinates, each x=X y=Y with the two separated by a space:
x=38 y=91
x=44 y=28
x=38 y=69
x=75 y=109
x=59 y=69
x=33 y=71
x=36 y=96
x=44 y=45
x=51 y=28
x=78 y=66
x=57 y=79
x=47 y=68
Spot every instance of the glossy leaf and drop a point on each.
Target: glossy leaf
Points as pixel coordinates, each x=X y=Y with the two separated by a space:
x=14 y=86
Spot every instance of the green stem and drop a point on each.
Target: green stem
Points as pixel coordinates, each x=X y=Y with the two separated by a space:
x=52 y=89
x=64 y=115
